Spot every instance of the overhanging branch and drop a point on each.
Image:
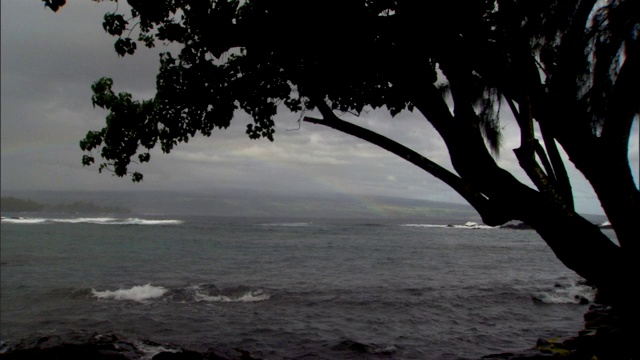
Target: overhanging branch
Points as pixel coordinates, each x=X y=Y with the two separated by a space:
x=489 y=214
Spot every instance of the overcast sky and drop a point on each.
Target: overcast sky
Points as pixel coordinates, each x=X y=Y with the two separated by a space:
x=49 y=60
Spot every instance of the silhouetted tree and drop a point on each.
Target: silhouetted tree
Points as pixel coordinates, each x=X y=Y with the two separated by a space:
x=567 y=70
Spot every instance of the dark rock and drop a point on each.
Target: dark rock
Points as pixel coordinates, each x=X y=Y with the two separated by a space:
x=246 y=355
x=87 y=346
x=73 y=346
x=499 y=356
x=516 y=226
x=179 y=355
x=212 y=355
x=351 y=345
x=523 y=355
x=602 y=339
x=68 y=352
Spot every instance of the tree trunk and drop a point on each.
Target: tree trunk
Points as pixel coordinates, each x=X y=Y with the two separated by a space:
x=577 y=243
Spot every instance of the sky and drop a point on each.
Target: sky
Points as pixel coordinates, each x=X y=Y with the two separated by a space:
x=49 y=61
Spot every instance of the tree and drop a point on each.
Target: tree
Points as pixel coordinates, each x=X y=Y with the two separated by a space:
x=567 y=70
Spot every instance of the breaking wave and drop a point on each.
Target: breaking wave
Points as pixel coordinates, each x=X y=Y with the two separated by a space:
x=248 y=296
x=288 y=224
x=91 y=220
x=196 y=293
x=467 y=225
x=23 y=220
x=136 y=293
x=572 y=294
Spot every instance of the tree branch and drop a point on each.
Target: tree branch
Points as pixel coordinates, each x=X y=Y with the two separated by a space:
x=529 y=146
x=489 y=214
x=559 y=170
x=544 y=159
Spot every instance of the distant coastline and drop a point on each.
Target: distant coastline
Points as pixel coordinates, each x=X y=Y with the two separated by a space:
x=19 y=205
x=228 y=202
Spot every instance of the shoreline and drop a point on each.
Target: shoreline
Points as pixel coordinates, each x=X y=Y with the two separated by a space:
x=601 y=339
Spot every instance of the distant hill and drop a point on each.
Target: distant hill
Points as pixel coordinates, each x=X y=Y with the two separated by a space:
x=247 y=203
x=19 y=205
x=14 y=204
x=241 y=203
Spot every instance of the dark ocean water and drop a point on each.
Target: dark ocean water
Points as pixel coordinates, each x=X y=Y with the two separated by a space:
x=287 y=289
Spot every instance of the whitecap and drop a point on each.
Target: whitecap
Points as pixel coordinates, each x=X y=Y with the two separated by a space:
x=574 y=294
x=289 y=224
x=118 y=221
x=91 y=220
x=136 y=293
x=249 y=296
x=101 y=220
x=383 y=350
x=151 y=350
x=475 y=225
x=136 y=221
x=426 y=225
x=467 y=225
x=23 y=220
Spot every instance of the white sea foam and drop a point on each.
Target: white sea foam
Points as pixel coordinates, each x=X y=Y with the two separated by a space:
x=136 y=221
x=93 y=220
x=291 y=224
x=249 y=296
x=152 y=350
x=383 y=350
x=118 y=221
x=22 y=220
x=102 y=220
x=467 y=225
x=574 y=294
x=427 y=225
x=136 y=293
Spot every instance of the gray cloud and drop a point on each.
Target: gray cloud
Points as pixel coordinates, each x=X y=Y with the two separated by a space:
x=50 y=60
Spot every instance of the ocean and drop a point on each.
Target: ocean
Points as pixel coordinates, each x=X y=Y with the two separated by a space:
x=286 y=288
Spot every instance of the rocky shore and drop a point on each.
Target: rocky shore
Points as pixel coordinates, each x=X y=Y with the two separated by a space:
x=601 y=339
x=108 y=347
